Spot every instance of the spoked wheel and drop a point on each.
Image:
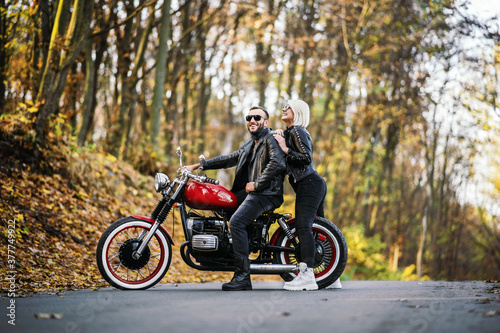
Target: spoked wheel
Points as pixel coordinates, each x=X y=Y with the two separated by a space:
x=331 y=252
x=115 y=255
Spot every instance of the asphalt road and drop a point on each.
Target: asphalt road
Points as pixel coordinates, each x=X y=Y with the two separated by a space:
x=361 y=306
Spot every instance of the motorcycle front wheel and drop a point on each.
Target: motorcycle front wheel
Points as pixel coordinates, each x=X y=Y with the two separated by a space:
x=115 y=249
x=330 y=257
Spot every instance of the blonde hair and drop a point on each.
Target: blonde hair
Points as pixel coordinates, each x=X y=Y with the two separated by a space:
x=301 y=112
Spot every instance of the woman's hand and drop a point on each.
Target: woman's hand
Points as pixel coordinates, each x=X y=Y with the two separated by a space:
x=281 y=141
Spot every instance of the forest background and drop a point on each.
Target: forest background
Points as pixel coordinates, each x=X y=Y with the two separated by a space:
x=95 y=96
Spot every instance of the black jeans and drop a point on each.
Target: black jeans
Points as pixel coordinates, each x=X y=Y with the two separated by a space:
x=309 y=202
x=251 y=208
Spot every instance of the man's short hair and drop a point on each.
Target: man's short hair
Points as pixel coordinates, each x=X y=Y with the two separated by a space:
x=260 y=108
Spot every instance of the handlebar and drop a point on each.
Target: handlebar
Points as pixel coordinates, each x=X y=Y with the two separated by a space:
x=201 y=179
x=210 y=180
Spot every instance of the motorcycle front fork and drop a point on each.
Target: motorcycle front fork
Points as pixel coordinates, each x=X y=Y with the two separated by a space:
x=144 y=239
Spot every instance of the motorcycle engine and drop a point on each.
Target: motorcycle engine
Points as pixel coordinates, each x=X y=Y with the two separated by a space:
x=206 y=233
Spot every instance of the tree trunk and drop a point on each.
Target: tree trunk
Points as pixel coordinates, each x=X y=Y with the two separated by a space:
x=292 y=67
x=421 y=246
x=58 y=64
x=3 y=52
x=369 y=202
x=90 y=100
x=160 y=74
x=263 y=59
x=427 y=209
x=185 y=108
x=44 y=14
x=203 y=97
x=125 y=93
x=89 y=96
x=185 y=60
x=138 y=63
x=227 y=146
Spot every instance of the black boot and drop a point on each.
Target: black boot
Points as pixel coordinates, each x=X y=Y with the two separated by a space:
x=241 y=279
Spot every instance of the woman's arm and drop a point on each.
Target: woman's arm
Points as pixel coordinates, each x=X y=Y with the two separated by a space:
x=274 y=167
x=301 y=151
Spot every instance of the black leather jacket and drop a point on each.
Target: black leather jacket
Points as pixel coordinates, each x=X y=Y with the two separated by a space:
x=268 y=171
x=299 y=162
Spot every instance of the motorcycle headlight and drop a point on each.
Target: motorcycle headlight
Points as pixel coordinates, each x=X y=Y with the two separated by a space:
x=161 y=182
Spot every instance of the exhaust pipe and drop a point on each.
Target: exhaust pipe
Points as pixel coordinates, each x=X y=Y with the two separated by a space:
x=273 y=268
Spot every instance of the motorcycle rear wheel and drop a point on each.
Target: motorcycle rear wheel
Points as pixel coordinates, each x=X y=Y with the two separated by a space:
x=114 y=255
x=331 y=252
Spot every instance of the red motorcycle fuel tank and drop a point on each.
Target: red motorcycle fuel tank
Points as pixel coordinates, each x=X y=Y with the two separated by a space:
x=209 y=197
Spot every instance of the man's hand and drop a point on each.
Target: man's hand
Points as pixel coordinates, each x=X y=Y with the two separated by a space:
x=250 y=187
x=192 y=168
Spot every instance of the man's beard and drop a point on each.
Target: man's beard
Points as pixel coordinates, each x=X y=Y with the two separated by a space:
x=260 y=127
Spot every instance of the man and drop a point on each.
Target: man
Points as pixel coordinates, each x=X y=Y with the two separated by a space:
x=258 y=185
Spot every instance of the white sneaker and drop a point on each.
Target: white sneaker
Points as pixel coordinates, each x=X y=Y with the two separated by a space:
x=335 y=285
x=305 y=280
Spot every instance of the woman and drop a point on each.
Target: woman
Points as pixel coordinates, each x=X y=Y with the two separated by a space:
x=309 y=187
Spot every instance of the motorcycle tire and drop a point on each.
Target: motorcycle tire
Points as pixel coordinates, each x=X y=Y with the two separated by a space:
x=331 y=252
x=114 y=255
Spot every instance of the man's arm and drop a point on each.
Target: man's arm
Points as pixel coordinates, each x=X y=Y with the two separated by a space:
x=222 y=162
x=219 y=162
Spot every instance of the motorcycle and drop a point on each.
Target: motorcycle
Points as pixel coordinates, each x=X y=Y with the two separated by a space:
x=135 y=252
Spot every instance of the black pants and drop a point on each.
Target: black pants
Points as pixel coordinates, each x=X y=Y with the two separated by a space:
x=252 y=206
x=309 y=202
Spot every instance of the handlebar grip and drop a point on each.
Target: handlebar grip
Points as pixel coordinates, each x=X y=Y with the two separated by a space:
x=211 y=180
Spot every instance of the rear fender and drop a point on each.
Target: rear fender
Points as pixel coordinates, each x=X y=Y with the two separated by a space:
x=150 y=220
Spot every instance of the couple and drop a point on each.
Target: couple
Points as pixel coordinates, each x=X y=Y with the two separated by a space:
x=258 y=185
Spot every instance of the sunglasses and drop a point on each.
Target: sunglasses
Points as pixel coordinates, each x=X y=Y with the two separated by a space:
x=285 y=107
x=254 y=116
